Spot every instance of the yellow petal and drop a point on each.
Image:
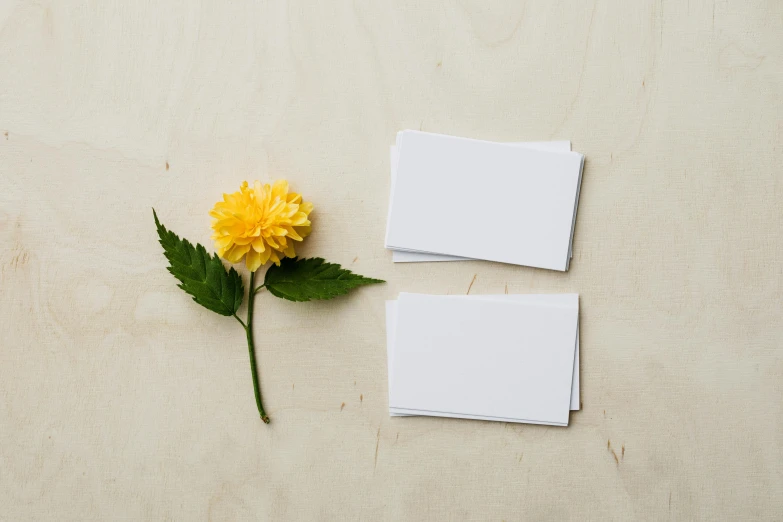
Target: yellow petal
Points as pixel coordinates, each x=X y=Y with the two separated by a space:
x=289 y=251
x=223 y=241
x=274 y=257
x=277 y=207
x=258 y=244
x=299 y=219
x=293 y=197
x=306 y=207
x=303 y=231
x=265 y=255
x=243 y=240
x=224 y=223
x=272 y=242
x=289 y=210
x=235 y=253
x=290 y=232
x=253 y=260
x=280 y=190
x=258 y=194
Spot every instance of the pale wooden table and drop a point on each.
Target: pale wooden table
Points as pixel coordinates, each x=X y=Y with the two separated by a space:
x=122 y=399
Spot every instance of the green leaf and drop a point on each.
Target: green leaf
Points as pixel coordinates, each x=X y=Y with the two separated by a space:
x=201 y=275
x=306 y=279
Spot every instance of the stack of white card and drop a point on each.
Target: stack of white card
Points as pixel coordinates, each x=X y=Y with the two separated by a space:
x=457 y=198
x=509 y=358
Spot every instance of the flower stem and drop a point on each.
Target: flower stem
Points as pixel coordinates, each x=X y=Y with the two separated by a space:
x=252 y=350
x=240 y=321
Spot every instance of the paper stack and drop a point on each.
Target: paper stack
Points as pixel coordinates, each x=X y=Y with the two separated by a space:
x=457 y=198
x=510 y=358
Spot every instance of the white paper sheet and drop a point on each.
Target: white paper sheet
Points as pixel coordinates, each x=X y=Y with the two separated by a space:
x=484 y=358
x=500 y=202
x=565 y=299
x=401 y=256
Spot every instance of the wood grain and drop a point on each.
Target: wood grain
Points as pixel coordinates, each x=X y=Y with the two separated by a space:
x=122 y=399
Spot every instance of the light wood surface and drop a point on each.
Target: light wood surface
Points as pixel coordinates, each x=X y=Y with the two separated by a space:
x=120 y=398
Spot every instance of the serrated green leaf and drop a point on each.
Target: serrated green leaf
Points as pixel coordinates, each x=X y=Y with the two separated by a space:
x=308 y=279
x=202 y=276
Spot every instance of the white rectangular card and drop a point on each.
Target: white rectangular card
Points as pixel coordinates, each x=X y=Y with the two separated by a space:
x=402 y=256
x=470 y=198
x=565 y=299
x=474 y=357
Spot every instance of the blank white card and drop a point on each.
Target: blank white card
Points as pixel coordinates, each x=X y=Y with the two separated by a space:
x=483 y=358
x=559 y=299
x=483 y=200
x=403 y=256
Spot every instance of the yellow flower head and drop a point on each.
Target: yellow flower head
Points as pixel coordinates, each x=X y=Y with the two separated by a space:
x=262 y=222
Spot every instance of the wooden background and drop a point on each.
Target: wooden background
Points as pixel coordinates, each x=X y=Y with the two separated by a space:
x=122 y=399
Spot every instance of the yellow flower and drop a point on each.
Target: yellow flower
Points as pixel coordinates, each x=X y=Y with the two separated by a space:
x=262 y=222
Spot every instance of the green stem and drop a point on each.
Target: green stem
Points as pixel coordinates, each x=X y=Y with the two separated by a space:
x=240 y=321
x=252 y=350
